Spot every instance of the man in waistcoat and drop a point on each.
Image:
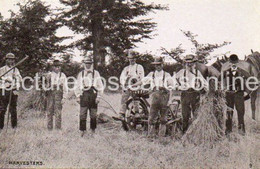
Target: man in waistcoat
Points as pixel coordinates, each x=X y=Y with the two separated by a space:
x=191 y=83
x=235 y=89
x=88 y=90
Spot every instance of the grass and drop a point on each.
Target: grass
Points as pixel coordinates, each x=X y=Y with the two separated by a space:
x=114 y=148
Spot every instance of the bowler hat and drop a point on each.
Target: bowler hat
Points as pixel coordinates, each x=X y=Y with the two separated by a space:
x=233 y=58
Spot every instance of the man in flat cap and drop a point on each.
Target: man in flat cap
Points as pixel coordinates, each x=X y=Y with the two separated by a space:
x=9 y=84
x=56 y=96
x=130 y=74
x=190 y=82
x=88 y=90
x=160 y=83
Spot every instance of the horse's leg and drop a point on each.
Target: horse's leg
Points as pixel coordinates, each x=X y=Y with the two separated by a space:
x=253 y=103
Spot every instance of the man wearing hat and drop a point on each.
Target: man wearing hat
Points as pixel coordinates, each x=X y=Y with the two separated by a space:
x=130 y=74
x=56 y=95
x=9 y=84
x=160 y=82
x=88 y=90
x=191 y=82
x=234 y=91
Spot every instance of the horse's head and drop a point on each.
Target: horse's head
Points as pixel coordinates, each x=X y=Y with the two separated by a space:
x=218 y=64
x=254 y=59
x=253 y=54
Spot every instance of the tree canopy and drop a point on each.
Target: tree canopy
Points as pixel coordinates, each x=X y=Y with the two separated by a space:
x=113 y=24
x=31 y=31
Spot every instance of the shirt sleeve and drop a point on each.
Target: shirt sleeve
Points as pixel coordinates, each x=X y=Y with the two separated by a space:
x=99 y=84
x=169 y=81
x=140 y=72
x=65 y=86
x=78 y=84
x=18 y=78
x=176 y=78
x=148 y=79
x=123 y=77
x=203 y=80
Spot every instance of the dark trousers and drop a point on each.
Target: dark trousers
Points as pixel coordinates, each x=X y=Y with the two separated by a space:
x=189 y=103
x=88 y=103
x=4 y=101
x=235 y=99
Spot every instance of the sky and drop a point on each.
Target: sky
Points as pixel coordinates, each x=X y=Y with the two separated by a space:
x=214 y=21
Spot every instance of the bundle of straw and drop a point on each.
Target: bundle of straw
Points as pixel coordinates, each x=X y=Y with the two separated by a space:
x=207 y=128
x=36 y=100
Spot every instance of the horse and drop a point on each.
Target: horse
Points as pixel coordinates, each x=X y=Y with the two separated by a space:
x=254 y=59
x=251 y=64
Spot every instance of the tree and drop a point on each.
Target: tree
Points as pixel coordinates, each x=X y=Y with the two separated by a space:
x=202 y=51
x=31 y=31
x=108 y=24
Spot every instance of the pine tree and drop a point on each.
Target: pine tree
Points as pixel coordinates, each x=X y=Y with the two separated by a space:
x=31 y=31
x=109 y=24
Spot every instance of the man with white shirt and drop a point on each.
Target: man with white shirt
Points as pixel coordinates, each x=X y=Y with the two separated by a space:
x=88 y=88
x=56 y=95
x=191 y=82
x=9 y=84
x=132 y=73
x=160 y=83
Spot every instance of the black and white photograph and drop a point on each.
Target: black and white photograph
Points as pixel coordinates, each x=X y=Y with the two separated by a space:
x=130 y=84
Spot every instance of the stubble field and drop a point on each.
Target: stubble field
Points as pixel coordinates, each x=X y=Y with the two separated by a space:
x=111 y=147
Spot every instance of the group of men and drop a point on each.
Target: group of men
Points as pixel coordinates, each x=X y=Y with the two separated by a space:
x=195 y=84
x=161 y=86
x=87 y=93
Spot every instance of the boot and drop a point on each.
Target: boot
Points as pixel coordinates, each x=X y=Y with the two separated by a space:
x=241 y=129
x=151 y=131
x=121 y=116
x=162 y=130
x=228 y=126
x=82 y=133
x=93 y=124
x=253 y=115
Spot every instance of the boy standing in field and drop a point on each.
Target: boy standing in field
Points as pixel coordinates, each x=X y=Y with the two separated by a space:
x=56 y=95
x=88 y=88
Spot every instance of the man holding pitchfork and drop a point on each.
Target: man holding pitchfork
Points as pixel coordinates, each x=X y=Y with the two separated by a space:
x=9 y=84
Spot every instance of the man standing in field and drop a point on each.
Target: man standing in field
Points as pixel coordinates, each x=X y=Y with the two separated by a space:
x=9 y=84
x=235 y=92
x=191 y=82
x=56 y=95
x=88 y=88
x=132 y=73
x=160 y=82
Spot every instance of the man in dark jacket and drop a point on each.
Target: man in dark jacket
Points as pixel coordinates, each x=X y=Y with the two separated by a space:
x=234 y=78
